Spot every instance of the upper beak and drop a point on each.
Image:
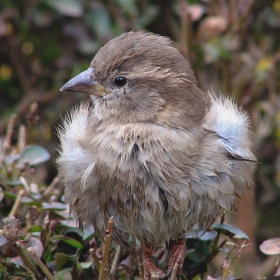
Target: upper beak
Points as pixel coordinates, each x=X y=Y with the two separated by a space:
x=85 y=82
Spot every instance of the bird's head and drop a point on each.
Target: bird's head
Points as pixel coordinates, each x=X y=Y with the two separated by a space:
x=140 y=77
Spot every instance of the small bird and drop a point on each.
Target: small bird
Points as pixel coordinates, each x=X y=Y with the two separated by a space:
x=155 y=151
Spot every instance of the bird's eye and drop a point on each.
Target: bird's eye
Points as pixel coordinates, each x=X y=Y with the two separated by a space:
x=120 y=81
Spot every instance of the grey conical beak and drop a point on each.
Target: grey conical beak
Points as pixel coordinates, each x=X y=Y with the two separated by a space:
x=86 y=83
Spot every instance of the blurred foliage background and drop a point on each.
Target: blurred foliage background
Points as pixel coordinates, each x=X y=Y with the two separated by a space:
x=233 y=46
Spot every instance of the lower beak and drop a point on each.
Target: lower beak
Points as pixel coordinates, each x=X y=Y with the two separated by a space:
x=86 y=83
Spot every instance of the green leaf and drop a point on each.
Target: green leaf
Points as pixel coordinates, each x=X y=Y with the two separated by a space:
x=54 y=206
x=230 y=230
x=86 y=233
x=70 y=241
x=64 y=275
x=61 y=260
x=15 y=182
x=37 y=245
x=3 y=268
x=189 y=251
x=207 y=235
x=201 y=234
x=36 y=228
x=11 y=158
x=201 y=252
x=34 y=155
x=10 y=195
x=86 y=265
x=99 y=20
x=191 y=234
x=30 y=201
x=70 y=223
x=67 y=7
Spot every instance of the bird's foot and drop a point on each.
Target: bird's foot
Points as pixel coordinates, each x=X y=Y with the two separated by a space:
x=150 y=269
x=178 y=252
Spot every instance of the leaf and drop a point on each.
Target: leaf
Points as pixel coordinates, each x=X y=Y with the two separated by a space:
x=230 y=230
x=37 y=245
x=11 y=158
x=147 y=17
x=189 y=251
x=207 y=235
x=54 y=206
x=201 y=234
x=271 y=246
x=70 y=241
x=30 y=201
x=86 y=265
x=10 y=195
x=193 y=233
x=3 y=240
x=3 y=268
x=34 y=155
x=67 y=7
x=86 y=233
x=99 y=20
x=200 y=253
x=61 y=260
x=70 y=223
x=36 y=228
x=64 y=275
x=224 y=250
x=16 y=182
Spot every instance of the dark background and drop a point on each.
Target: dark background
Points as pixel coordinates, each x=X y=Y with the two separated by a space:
x=233 y=46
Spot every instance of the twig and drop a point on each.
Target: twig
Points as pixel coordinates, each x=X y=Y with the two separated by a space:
x=27 y=262
x=9 y=133
x=32 y=253
x=116 y=261
x=240 y=23
x=28 y=223
x=16 y=204
x=218 y=235
x=186 y=32
x=31 y=117
x=174 y=271
x=50 y=188
x=25 y=184
x=228 y=267
x=103 y=267
x=93 y=255
x=21 y=138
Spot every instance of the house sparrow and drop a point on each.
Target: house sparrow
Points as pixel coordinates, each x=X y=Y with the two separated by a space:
x=155 y=152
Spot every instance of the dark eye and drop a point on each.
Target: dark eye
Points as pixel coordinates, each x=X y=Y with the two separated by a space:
x=120 y=81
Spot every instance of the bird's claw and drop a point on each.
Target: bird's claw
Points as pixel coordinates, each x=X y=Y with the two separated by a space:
x=176 y=260
x=151 y=271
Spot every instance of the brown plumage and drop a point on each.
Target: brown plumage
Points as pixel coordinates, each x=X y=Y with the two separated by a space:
x=155 y=152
